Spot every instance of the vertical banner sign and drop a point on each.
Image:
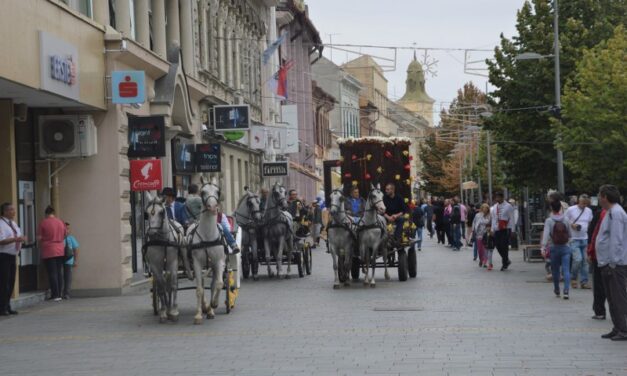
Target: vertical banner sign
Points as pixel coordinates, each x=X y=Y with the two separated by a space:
x=289 y=115
x=146 y=175
x=208 y=158
x=183 y=158
x=146 y=136
x=128 y=87
x=231 y=118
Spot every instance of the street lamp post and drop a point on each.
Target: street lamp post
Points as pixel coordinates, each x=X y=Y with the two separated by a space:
x=558 y=102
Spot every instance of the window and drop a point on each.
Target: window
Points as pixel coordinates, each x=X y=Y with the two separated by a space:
x=83 y=6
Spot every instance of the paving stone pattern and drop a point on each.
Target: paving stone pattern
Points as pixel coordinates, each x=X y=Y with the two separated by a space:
x=454 y=319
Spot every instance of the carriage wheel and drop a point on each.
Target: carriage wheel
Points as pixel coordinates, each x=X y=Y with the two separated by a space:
x=402 y=265
x=299 y=259
x=307 y=257
x=246 y=264
x=412 y=263
x=341 y=271
x=155 y=297
x=355 y=268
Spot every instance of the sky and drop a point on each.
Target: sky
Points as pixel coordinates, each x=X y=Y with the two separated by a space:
x=455 y=24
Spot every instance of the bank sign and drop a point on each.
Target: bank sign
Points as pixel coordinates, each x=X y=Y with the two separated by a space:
x=146 y=175
x=128 y=87
x=270 y=169
x=58 y=61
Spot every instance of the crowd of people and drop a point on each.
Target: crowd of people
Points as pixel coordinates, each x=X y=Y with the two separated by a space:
x=59 y=251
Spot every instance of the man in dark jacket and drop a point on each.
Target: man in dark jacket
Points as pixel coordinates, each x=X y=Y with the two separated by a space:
x=395 y=208
x=418 y=217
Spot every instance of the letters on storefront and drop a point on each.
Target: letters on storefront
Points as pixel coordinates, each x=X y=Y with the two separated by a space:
x=146 y=175
x=146 y=136
x=208 y=158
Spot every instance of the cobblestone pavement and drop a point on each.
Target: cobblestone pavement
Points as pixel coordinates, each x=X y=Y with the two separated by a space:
x=454 y=319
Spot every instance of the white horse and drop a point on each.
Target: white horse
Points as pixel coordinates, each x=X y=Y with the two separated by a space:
x=248 y=218
x=340 y=239
x=206 y=242
x=372 y=235
x=165 y=237
x=277 y=230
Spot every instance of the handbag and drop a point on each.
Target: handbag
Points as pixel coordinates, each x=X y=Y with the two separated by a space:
x=69 y=251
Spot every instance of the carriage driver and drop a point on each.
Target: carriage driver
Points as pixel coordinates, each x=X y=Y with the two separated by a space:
x=395 y=209
x=355 y=205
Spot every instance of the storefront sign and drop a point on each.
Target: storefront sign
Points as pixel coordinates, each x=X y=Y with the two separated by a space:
x=183 y=158
x=128 y=87
x=58 y=62
x=231 y=118
x=208 y=158
x=270 y=169
x=146 y=136
x=146 y=175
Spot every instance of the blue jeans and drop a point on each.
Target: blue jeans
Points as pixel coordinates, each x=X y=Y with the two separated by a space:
x=580 y=260
x=560 y=256
x=475 y=250
x=457 y=235
x=418 y=237
x=229 y=237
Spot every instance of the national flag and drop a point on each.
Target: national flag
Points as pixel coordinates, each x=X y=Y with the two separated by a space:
x=278 y=82
x=270 y=50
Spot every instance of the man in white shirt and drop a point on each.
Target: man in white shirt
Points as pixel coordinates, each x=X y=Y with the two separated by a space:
x=579 y=216
x=502 y=225
x=11 y=240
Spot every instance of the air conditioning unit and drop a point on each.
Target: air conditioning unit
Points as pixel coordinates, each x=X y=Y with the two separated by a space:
x=67 y=136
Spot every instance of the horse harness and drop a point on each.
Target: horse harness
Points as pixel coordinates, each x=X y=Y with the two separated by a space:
x=205 y=244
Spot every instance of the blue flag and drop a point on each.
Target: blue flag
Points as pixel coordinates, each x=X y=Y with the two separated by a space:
x=270 y=50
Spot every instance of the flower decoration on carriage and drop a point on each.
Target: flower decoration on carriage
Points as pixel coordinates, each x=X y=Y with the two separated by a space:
x=380 y=169
x=397 y=177
x=354 y=157
x=390 y=228
x=368 y=157
x=406 y=216
x=388 y=154
x=355 y=183
x=406 y=200
x=405 y=153
x=348 y=175
x=367 y=176
x=407 y=167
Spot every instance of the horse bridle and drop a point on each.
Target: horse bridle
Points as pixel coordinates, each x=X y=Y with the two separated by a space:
x=251 y=211
x=205 y=198
x=162 y=217
x=374 y=204
x=280 y=201
x=342 y=199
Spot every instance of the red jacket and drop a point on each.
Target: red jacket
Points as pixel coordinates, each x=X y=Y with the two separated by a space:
x=592 y=252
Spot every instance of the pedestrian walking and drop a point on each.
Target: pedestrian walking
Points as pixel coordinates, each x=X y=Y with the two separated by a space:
x=555 y=239
x=11 y=241
x=515 y=226
x=502 y=222
x=428 y=214
x=71 y=263
x=456 y=224
x=448 y=210
x=598 y=303
x=52 y=245
x=472 y=212
x=463 y=211
x=418 y=219
x=481 y=228
x=316 y=220
x=579 y=216
x=438 y=218
x=611 y=252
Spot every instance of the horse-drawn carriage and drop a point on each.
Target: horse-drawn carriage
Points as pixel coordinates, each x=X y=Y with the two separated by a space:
x=167 y=243
x=272 y=235
x=369 y=242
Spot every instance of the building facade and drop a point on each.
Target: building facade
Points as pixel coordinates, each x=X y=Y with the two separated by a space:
x=194 y=54
x=301 y=49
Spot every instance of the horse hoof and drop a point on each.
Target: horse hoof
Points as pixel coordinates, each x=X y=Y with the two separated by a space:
x=197 y=321
x=287 y=276
x=174 y=317
x=211 y=316
x=372 y=285
x=366 y=283
x=336 y=286
x=163 y=320
x=214 y=306
x=387 y=277
x=347 y=284
x=255 y=278
x=271 y=275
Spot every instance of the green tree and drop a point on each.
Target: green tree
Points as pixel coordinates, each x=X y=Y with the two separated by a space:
x=525 y=89
x=594 y=130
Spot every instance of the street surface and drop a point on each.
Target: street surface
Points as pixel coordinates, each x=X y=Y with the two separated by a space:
x=455 y=319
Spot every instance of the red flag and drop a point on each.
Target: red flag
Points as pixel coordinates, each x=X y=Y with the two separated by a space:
x=279 y=80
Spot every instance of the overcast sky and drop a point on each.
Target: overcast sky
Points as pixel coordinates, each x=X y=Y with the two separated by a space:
x=461 y=24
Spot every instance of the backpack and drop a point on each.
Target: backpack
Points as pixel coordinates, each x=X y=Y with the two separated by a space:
x=456 y=216
x=560 y=234
x=418 y=216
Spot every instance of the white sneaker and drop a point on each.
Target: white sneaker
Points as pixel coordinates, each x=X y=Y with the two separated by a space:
x=56 y=299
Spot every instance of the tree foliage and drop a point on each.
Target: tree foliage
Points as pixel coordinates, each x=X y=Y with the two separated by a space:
x=525 y=89
x=441 y=163
x=594 y=130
